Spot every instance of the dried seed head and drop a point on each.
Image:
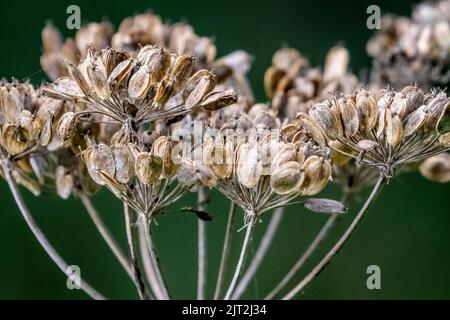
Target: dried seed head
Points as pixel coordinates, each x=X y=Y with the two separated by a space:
x=286 y=178
x=316 y=174
x=66 y=125
x=64 y=182
x=15 y=139
x=437 y=168
x=148 y=167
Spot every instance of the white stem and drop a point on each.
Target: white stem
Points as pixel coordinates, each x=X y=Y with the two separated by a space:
x=201 y=274
x=261 y=252
x=43 y=241
x=244 y=250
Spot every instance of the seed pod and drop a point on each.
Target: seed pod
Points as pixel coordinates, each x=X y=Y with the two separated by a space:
x=186 y=175
x=120 y=72
x=86 y=184
x=205 y=174
x=99 y=82
x=336 y=64
x=284 y=58
x=436 y=107
x=366 y=104
x=124 y=163
x=437 y=168
x=394 y=130
x=15 y=139
x=445 y=139
x=182 y=70
x=316 y=173
x=399 y=105
x=148 y=167
x=164 y=91
x=66 y=125
x=286 y=178
x=64 y=89
x=313 y=129
x=415 y=97
x=443 y=125
x=77 y=75
x=415 y=121
x=163 y=148
x=64 y=182
x=30 y=123
x=249 y=168
x=219 y=99
x=99 y=158
x=329 y=121
x=286 y=153
x=199 y=87
x=139 y=83
x=215 y=157
x=271 y=78
x=158 y=61
x=349 y=116
x=367 y=145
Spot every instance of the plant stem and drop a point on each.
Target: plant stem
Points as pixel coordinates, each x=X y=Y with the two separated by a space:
x=225 y=251
x=261 y=252
x=201 y=278
x=140 y=286
x=244 y=250
x=335 y=249
x=324 y=231
x=43 y=241
x=155 y=263
x=106 y=234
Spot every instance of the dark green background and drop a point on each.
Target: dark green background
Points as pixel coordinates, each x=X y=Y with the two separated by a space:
x=406 y=233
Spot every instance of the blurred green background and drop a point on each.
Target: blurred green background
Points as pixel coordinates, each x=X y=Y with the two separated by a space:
x=406 y=233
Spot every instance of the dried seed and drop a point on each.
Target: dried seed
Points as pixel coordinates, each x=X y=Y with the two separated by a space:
x=339 y=158
x=99 y=158
x=366 y=104
x=140 y=83
x=219 y=99
x=286 y=178
x=164 y=91
x=313 y=129
x=415 y=121
x=64 y=89
x=437 y=168
x=120 y=72
x=186 y=174
x=148 y=167
x=15 y=139
x=205 y=174
x=394 y=129
x=202 y=85
x=64 y=182
x=182 y=70
x=329 y=121
x=99 y=82
x=215 y=156
x=349 y=116
x=367 y=145
x=249 y=168
x=271 y=78
x=66 y=125
x=77 y=75
x=443 y=125
x=124 y=163
x=316 y=174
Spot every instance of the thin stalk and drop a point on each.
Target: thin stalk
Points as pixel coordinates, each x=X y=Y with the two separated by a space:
x=43 y=241
x=140 y=286
x=261 y=252
x=106 y=235
x=155 y=262
x=244 y=250
x=225 y=251
x=149 y=269
x=324 y=231
x=201 y=274
x=335 y=249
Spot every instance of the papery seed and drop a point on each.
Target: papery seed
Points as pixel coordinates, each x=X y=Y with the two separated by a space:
x=437 y=168
x=124 y=163
x=64 y=182
x=148 y=167
x=366 y=104
x=286 y=178
x=349 y=116
x=15 y=139
x=415 y=121
x=329 y=121
x=205 y=174
x=66 y=125
x=316 y=174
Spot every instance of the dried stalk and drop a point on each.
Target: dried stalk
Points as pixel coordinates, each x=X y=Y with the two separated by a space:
x=43 y=241
x=225 y=250
x=201 y=278
x=321 y=265
x=261 y=252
